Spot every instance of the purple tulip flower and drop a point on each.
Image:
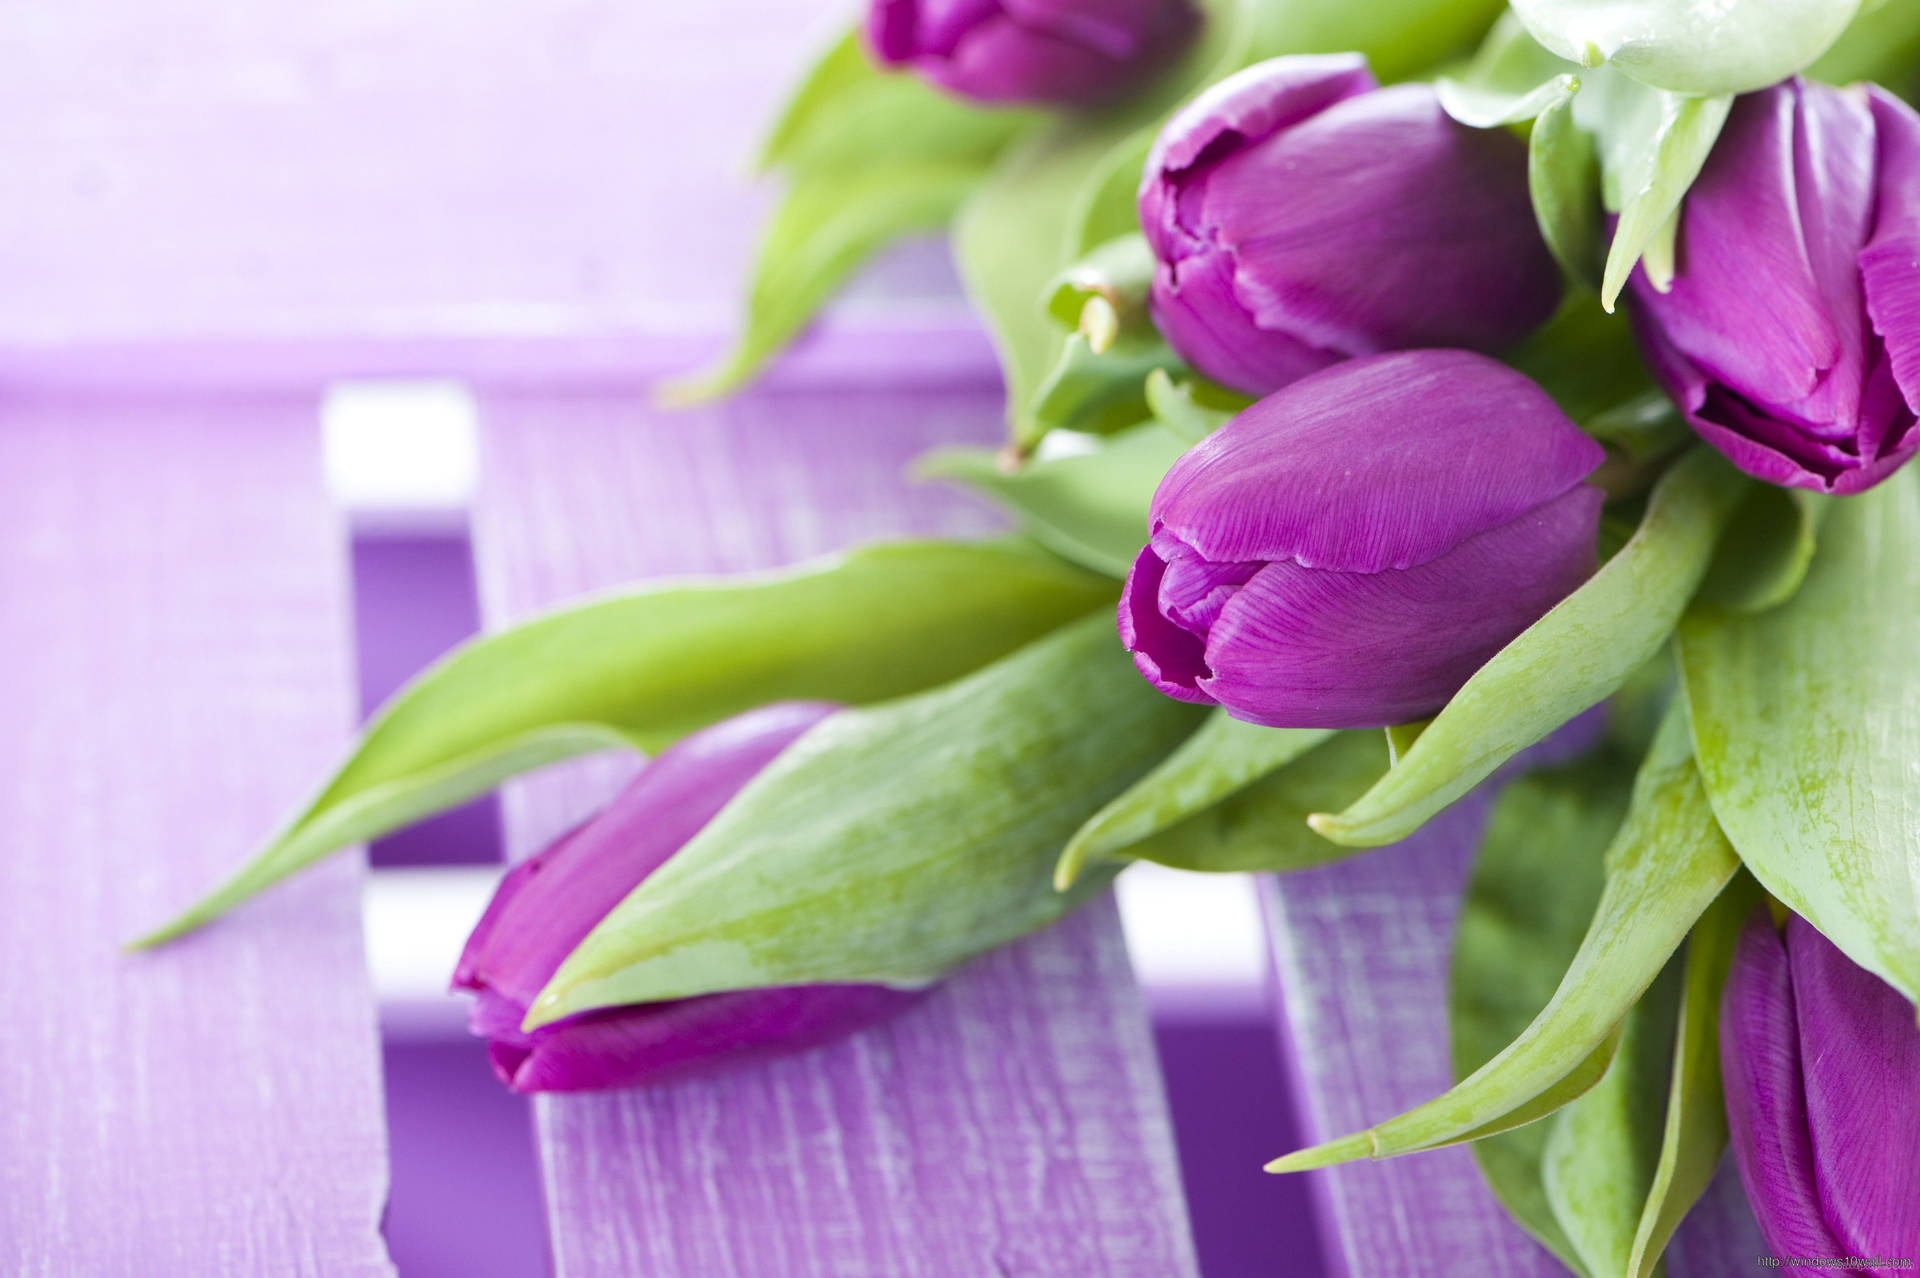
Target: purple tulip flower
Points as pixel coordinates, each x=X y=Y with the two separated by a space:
x=547 y=904
x=1302 y=215
x=1821 y=1061
x=1791 y=336
x=1346 y=552
x=1060 y=52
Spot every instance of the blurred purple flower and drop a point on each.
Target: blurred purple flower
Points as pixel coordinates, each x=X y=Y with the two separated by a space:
x=1821 y=1060
x=1346 y=552
x=548 y=903
x=1791 y=336
x=1302 y=216
x=1061 y=52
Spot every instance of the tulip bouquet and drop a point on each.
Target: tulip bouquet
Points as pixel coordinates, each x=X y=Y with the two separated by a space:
x=1322 y=420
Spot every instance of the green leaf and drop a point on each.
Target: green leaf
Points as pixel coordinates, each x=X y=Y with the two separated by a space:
x=1563 y=179
x=1263 y=827
x=1652 y=146
x=1602 y=1150
x=1192 y=408
x=1695 y=1131
x=1662 y=869
x=891 y=843
x=1572 y=658
x=1643 y=429
x=1118 y=270
x=826 y=225
x=1090 y=507
x=1586 y=359
x=1806 y=724
x=1767 y=549
x=1100 y=393
x=1223 y=758
x=1728 y=47
x=1882 y=43
x=1512 y=78
x=645 y=668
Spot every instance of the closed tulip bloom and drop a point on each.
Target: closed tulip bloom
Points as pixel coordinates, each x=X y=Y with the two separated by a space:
x=1302 y=215
x=1346 y=552
x=1791 y=335
x=1821 y=1061
x=548 y=903
x=1058 y=52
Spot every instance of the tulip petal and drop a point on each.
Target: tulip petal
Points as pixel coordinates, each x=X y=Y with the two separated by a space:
x=1170 y=658
x=1196 y=310
x=1747 y=306
x=1890 y=264
x=651 y=1042
x=1860 y=1060
x=1240 y=109
x=1379 y=463
x=1000 y=60
x=1766 y=1110
x=549 y=902
x=1328 y=222
x=1306 y=648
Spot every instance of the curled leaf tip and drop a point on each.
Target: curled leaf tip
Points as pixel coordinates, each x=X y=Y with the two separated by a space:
x=1072 y=863
x=1099 y=324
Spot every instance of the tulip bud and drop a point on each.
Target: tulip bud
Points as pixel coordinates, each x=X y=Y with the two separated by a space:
x=548 y=903
x=1060 y=52
x=1301 y=215
x=1821 y=1061
x=1791 y=334
x=1346 y=552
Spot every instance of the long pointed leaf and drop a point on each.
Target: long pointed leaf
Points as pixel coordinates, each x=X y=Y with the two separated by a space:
x=1664 y=867
x=643 y=669
x=1572 y=658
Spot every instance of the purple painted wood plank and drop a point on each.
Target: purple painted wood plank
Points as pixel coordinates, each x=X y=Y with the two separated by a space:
x=533 y=168
x=1013 y=1122
x=173 y=640
x=1361 y=950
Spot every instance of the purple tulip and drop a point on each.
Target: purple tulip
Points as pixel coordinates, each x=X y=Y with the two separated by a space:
x=1821 y=1061
x=1791 y=335
x=1346 y=552
x=1062 y=52
x=547 y=904
x=1302 y=215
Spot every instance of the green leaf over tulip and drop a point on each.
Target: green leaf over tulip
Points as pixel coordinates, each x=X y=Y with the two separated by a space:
x=1578 y=654
x=890 y=843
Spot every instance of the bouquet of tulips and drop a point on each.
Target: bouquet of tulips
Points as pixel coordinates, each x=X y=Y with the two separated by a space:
x=1322 y=421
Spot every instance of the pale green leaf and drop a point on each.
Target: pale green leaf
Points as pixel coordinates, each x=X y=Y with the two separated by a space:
x=1882 y=43
x=1767 y=549
x=1602 y=1150
x=1574 y=657
x=891 y=843
x=1099 y=393
x=1807 y=722
x=1586 y=359
x=1695 y=1130
x=1263 y=826
x=1653 y=146
x=1090 y=507
x=1222 y=759
x=826 y=225
x=1192 y=407
x=1511 y=78
x=644 y=668
x=1563 y=180
x=1664 y=866
x=1686 y=46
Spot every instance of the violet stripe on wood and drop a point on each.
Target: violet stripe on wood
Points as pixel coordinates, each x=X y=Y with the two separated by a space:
x=173 y=639
x=1013 y=1122
x=1361 y=950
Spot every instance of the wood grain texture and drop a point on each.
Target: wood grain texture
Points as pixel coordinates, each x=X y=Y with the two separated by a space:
x=174 y=674
x=1011 y=1124
x=1361 y=951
